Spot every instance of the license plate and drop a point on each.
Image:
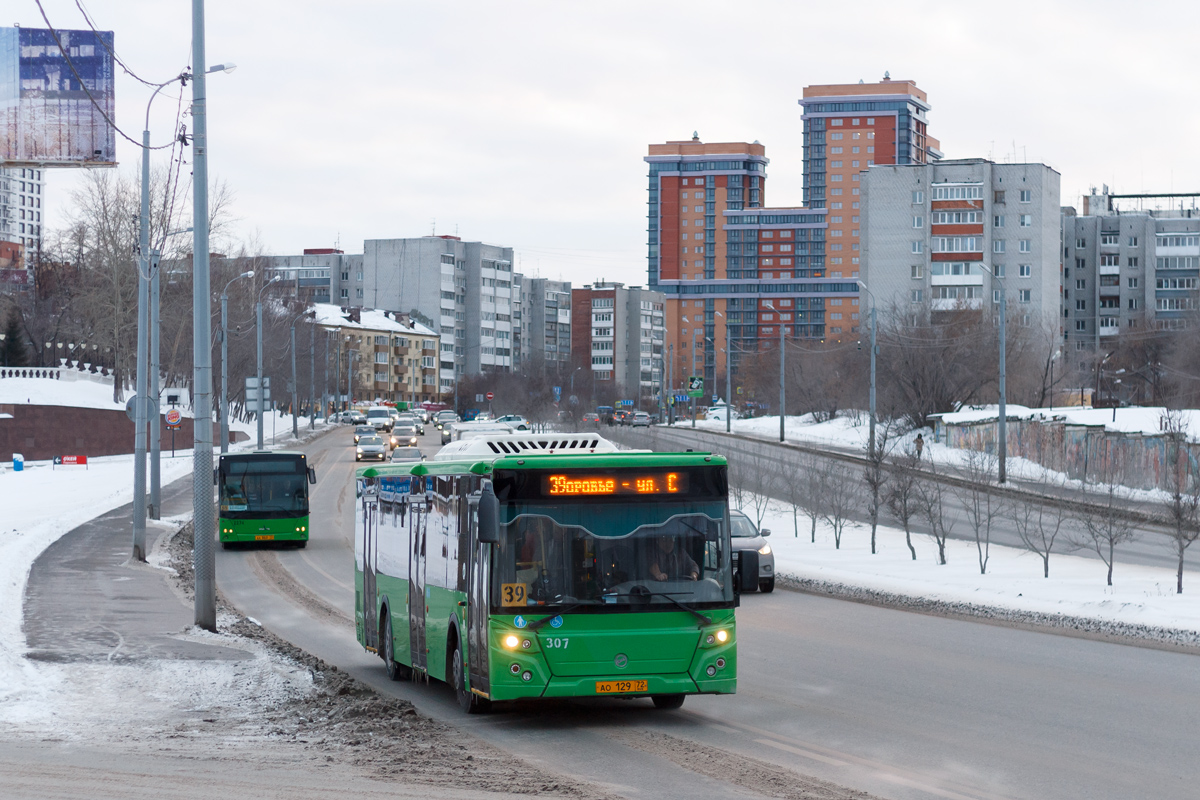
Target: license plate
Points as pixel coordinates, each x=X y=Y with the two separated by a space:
x=265 y=538
x=621 y=687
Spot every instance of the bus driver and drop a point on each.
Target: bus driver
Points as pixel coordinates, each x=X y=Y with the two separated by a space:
x=671 y=562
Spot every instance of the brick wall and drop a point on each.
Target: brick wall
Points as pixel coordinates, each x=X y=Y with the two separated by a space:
x=42 y=432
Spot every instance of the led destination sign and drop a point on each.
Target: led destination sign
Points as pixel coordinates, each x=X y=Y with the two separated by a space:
x=579 y=485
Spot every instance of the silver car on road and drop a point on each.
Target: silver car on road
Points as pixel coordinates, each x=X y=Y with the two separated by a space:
x=747 y=537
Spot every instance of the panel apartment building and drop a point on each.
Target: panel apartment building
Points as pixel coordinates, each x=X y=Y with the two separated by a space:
x=545 y=330
x=21 y=224
x=618 y=335
x=956 y=233
x=1125 y=271
x=388 y=355
x=463 y=290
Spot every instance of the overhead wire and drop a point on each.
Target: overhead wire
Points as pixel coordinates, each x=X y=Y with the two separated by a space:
x=104 y=44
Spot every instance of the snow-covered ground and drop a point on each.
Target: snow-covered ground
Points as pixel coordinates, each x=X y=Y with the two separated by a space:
x=41 y=503
x=1143 y=596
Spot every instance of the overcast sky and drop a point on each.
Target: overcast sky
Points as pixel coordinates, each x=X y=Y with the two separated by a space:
x=525 y=123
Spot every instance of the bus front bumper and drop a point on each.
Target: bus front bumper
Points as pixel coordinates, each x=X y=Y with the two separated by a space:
x=263 y=531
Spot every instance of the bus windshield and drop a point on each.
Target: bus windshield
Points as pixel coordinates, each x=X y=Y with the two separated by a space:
x=263 y=488
x=634 y=554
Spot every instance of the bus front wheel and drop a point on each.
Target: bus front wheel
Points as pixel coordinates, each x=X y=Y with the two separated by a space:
x=467 y=700
x=395 y=670
x=667 y=701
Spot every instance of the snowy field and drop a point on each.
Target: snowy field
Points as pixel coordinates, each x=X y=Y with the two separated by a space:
x=1143 y=596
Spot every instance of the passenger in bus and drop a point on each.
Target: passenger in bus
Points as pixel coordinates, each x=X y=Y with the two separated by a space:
x=671 y=562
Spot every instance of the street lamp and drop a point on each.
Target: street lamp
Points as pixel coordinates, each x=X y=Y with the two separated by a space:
x=782 y=365
x=224 y=410
x=728 y=373
x=1003 y=422
x=204 y=557
x=258 y=314
x=310 y=313
x=1053 y=357
x=874 y=352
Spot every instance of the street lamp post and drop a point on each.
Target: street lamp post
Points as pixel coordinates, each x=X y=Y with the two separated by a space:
x=258 y=314
x=224 y=410
x=312 y=374
x=295 y=389
x=782 y=366
x=874 y=352
x=1002 y=434
x=728 y=374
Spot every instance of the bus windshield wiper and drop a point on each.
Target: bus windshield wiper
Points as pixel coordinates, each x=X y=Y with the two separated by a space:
x=670 y=596
x=535 y=625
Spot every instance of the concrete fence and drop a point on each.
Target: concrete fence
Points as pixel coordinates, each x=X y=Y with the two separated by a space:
x=1083 y=452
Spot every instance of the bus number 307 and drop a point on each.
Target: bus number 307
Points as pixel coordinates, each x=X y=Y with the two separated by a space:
x=556 y=643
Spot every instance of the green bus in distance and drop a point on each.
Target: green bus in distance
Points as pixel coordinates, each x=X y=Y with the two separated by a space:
x=552 y=565
x=263 y=497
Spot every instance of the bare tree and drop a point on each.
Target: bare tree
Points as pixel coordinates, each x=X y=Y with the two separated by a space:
x=796 y=483
x=903 y=497
x=1039 y=524
x=876 y=477
x=761 y=483
x=1105 y=526
x=979 y=498
x=839 y=500
x=931 y=496
x=1181 y=509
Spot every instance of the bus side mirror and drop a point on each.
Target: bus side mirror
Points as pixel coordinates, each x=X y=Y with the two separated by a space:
x=215 y=479
x=312 y=475
x=748 y=570
x=489 y=516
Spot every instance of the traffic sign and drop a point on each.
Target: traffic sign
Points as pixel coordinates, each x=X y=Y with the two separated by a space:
x=557 y=393
x=174 y=418
x=131 y=407
x=490 y=396
x=478 y=398
x=695 y=386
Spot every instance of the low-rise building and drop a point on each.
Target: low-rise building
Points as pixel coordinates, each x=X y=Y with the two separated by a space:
x=389 y=356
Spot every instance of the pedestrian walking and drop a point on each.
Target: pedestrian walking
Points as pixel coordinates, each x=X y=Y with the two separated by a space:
x=919 y=443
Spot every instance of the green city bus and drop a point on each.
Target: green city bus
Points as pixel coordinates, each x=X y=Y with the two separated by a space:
x=553 y=565
x=263 y=497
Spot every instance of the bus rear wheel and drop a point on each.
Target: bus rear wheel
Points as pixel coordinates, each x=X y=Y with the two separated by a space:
x=467 y=700
x=395 y=670
x=667 y=701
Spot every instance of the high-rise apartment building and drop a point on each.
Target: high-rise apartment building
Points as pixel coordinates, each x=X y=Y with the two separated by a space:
x=463 y=290
x=545 y=325
x=847 y=129
x=21 y=209
x=956 y=233
x=1128 y=270
x=727 y=264
x=321 y=275
x=618 y=335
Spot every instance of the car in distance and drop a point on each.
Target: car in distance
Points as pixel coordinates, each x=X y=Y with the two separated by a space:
x=407 y=455
x=514 y=421
x=380 y=417
x=719 y=412
x=591 y=418
x=445 y=416
x=405 y=435
x=747 y=537
x=410 y=419
x=640 y=419
x=364 y=430
x=371 y=446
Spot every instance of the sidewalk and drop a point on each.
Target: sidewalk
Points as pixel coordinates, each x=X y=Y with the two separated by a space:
x=86 y=600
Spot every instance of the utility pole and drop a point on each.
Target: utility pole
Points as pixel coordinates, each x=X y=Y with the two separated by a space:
x=671 y=383
x=155 y=417
x=295 y=427
x=1003 y=413
x=874 y=353
x=258 y=315
x=141 y=402
x=728 y=373
x=312 y=375
x=204 y=553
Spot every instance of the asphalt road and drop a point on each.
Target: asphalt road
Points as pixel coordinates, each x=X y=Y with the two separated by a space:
x=1151 y=548
x=901 y=705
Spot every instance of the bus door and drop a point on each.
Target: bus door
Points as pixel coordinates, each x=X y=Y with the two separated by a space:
x=477 y=601
x=418 y=512
x=370 y=559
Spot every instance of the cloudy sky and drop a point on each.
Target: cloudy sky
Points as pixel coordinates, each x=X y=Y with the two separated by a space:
x=525 y=123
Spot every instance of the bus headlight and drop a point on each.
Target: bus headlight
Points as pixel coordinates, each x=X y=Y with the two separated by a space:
x=722 y=636
x=511 y=641
x=765 y=550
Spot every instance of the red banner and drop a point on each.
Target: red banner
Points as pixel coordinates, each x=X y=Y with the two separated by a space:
x=79 y=460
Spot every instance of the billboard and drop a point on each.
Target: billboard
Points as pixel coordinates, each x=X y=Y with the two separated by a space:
x=47 y=117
